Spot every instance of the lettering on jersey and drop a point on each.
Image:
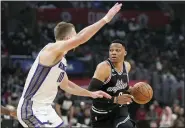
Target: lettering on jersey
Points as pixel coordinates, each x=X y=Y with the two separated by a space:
x=61 y=76
x=62 y=66
x=119 y=86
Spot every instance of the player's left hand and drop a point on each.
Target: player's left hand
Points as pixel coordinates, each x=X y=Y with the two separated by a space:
x=100 y=94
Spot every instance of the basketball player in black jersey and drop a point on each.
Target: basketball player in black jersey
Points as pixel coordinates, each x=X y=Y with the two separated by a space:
x=111 y=76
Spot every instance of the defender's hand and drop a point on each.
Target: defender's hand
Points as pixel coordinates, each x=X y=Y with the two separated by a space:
x=100 y=94
x=112 y=12
x=123 y=99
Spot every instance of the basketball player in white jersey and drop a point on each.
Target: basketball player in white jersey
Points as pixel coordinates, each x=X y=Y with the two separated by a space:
x=48 y=72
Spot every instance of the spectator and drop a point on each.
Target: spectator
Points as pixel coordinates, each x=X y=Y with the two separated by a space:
x=133 y=26
x=158 y=110
x=179 y=122
x=166 y=119
x=152 y=116
x=64 y=108
x=141 y=113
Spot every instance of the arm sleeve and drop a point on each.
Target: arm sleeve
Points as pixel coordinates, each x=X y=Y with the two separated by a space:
x=96 y=85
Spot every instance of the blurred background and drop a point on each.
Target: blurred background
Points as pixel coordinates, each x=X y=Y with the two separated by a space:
x=153 y=31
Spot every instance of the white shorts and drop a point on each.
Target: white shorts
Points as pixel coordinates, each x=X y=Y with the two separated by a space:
x=30 y=115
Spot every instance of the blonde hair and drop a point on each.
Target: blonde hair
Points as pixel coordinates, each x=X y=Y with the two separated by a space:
x=62 y=30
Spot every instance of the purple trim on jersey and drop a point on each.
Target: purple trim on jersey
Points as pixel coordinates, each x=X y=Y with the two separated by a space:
x=30 y=117
x=35 y=116
x=25 y=118
x=42 y=79
x=26 y=110
x=40 y=121
x=31 y=80
x=36 y=81
x=61 y=76
x=59 y=125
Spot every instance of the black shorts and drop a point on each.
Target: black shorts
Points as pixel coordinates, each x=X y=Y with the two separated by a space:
x=110 y=121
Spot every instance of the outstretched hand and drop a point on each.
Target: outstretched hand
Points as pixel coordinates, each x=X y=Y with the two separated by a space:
x=100 y=94
x=112 y=12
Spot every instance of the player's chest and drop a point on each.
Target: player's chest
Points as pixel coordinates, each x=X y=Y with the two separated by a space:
x=117 y=84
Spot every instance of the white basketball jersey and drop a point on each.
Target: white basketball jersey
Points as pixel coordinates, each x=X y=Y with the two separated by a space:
x=42 y=81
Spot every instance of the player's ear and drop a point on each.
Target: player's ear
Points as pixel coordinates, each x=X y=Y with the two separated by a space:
x=125 y=53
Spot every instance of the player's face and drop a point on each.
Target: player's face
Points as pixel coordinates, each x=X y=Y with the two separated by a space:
x=116 y=52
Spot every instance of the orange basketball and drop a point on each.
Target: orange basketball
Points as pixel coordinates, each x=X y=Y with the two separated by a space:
x=142 y=92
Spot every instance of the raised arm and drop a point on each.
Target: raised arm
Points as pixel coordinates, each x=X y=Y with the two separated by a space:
x=85 y=34
x=51 y=53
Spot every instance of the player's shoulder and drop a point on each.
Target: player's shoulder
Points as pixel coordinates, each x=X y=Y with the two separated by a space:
x=128 y=65
x=48 y=49
x=45 y=52
x=103 y=66
x=48 y=46
x=126 y=62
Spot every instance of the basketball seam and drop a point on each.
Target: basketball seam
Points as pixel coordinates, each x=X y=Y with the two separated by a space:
x=141 y=93
x=147 y=90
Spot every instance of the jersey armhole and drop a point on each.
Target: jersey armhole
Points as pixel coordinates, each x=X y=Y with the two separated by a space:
x=109 y=78
x=49 y=66
x=126 y=71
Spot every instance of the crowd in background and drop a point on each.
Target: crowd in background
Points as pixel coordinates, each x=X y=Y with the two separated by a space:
x=155 y=55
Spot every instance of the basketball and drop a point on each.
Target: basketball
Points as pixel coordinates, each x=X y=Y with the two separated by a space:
x=142 y=92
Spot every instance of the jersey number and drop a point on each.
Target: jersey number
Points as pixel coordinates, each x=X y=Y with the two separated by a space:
x=61 y=76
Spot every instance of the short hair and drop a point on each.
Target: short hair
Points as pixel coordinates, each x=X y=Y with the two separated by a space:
x=62 y=29
x=120 y=42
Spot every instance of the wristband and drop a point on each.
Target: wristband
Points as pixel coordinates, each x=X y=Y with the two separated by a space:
x=105 y=19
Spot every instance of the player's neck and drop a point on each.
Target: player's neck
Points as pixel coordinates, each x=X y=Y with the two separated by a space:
x=59 y=41
x=118 y=66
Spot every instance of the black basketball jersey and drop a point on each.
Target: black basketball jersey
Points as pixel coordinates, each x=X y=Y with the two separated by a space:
x=115 y=85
